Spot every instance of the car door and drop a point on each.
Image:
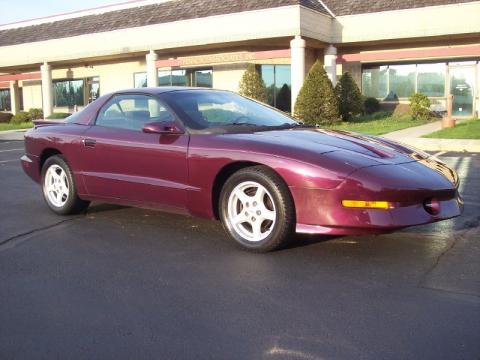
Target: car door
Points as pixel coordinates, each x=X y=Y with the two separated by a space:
x=120 y=161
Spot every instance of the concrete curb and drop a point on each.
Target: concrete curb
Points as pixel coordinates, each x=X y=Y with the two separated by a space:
x=413 y=137
x=12 y=131
x=12 y=135
x=457 y=145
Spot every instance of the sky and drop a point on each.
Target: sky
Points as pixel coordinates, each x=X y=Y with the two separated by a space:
x=18 y=10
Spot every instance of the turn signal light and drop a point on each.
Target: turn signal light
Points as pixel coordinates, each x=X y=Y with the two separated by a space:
x=367 y=204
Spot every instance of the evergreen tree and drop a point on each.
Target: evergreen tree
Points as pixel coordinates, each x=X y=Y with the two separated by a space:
x=284 y=99
x=349 y=97
x=316 y=103
x=252 y=85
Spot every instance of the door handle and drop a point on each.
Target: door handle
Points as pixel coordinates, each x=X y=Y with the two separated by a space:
x=89 y=142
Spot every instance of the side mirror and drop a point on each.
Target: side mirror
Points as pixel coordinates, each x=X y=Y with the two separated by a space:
x=163 y=127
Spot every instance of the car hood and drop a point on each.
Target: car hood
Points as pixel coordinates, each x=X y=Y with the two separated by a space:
x=321 y=141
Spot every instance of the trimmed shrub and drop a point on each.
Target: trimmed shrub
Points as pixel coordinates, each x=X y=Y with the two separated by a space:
x=35 y=113
x=349 y=97
x=371 y=105
x=252 y=85
x=420 y=106
x=58 y=115
x=5 y=117
x=20 y=117
x=316 y=103
x=284 y=99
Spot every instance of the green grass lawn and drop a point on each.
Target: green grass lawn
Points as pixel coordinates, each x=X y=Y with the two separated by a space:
x=377 y=124
x=469 y=129
x=8 y=126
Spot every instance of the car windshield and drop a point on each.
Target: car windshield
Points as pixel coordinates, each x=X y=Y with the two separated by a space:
x=209 y=109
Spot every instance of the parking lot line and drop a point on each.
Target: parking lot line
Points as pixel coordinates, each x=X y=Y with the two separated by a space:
x=11 y=150
x=6 y=161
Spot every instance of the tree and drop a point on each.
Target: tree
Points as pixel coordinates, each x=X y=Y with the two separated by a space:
x=316 y=103
x=252 y=85
x=349 y=97
x=284 y=98
x=420 y=106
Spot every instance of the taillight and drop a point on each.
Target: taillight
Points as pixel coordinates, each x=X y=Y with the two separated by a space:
x=432 y=206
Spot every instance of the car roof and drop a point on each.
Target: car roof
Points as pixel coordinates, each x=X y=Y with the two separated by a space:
x=159 y=90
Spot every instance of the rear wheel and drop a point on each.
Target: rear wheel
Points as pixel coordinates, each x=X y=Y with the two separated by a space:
x=256 y=209
x=59 y=189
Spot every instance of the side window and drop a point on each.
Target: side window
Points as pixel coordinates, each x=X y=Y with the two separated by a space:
x=132 y=112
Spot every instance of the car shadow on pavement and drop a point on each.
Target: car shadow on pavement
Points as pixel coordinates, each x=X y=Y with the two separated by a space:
x=301 y=240
x=101 y=207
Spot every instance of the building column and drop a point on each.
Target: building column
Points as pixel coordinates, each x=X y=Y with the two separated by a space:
x=152 y=73
x=14 y=97
x=47 y=90
x=330 y=63
x=297 y=47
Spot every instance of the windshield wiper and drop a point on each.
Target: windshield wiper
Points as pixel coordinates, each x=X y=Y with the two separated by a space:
x=243 y=124
x=296 y=125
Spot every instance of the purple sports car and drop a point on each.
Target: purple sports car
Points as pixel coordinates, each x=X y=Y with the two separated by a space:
x=218 y=155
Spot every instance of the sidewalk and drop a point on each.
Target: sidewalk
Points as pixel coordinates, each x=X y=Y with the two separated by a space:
x=9 y=135
x=413 y=137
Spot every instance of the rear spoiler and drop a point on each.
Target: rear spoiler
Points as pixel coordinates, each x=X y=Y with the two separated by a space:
x=46 y=122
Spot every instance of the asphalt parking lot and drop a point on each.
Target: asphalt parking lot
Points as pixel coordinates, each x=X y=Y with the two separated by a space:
x=125 y=283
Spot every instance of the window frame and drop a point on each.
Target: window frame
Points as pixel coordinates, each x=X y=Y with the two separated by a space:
x=9 y=99
x=175 y=117
x=84 y=82
x=275 y=87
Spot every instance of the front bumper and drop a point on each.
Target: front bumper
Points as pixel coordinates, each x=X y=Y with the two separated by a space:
x=30 y=165
x=407 y=187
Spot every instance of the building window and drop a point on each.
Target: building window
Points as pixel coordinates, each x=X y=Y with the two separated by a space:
x=393 y=82
x=431 y=79
x=202 y=78
x=5 y=104
x=68 y=93
x=140 y=80
x=277 y=79
x=374 y=82
x=401 y=81
x=93 y=87
x=178 y=77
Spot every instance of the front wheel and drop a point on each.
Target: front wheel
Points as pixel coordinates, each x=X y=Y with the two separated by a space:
x=59 y=189
x=256 y=209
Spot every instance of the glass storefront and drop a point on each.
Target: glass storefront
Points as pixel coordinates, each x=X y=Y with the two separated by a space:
x=93 y=86
x=5 y=104
x=277 y=79
x=178 y=77
x=401 y=81
x=462 y=82
x=140 y=80
x=434 y=79
x=203 y=78
x=431 y=79
x=68 y=93
x=374 y=82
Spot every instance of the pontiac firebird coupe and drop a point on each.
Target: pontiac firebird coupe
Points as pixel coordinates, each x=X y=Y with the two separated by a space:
x=218 y=155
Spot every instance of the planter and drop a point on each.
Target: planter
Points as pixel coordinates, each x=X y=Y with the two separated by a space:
x=448 y=122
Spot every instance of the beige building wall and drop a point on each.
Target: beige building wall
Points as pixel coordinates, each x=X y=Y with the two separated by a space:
x=32 y=94
x=228 y=76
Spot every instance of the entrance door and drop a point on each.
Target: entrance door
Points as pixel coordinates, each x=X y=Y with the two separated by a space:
x=462 y=87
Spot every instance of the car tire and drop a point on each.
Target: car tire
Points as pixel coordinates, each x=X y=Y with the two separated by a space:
x=257 y=210
x=58 y=186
